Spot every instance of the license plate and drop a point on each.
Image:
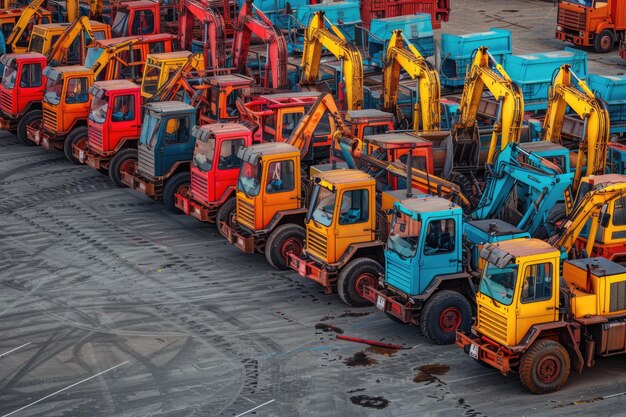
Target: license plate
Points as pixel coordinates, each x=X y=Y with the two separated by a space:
x=380 y=303
x=239 y=241
x=473 y=351
x=142 y=186
x=81 y=155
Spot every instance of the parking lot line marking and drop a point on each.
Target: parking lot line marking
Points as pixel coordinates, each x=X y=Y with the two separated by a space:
x=14 y=349
x=66 y=388
x=252 y=409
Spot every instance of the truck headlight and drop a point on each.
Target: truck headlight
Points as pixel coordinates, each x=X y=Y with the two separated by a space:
x=581 y=34
x=559 y=29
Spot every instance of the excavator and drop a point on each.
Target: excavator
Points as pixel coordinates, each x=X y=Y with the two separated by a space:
x=592 y=146
x=510 y=114
x=316 y=37
x=18 y=40
x=399 y=57
x=213 y=35
x=10 y=17
x=58 y=52
x=261 y=26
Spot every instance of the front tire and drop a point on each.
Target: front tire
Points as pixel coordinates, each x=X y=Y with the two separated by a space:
x=77 y=136
x=354 y=276
x=33 y=118
x=125 y=160
x=545 y=367
x=604 y=42
x=445 y=313
x=226 y=213
x=284 y=239
x=175 y=184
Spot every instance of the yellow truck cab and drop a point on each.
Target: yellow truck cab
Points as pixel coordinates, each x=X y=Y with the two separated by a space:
x=44 y=37
x=159 y=68
x=539 y=324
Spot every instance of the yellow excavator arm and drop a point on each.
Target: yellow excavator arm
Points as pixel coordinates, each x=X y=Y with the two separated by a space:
x=95 y=10
x=73 y=10
x=168 y=90
x=316 y=37
x=110 y=53
x=591 y=206
x=596 y=129
x=58 y=53
x=506 y=92
x=22 y=23
x=417 y=67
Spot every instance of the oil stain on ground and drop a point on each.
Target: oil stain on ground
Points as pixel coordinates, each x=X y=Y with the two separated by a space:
x=430 y=373
x=328 y=328
x=360 y=359
x=379 y=350
x=370 y=402
x=578 y=402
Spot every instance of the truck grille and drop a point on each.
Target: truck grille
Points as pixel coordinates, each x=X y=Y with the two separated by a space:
x=6 y=102
x=95 y=138
x=492 y=324
x=49 y=119
x=571 y=19
x=316 y=244
x=146 y=162
x=245 y=213
x=199 y=187
x=398 y=275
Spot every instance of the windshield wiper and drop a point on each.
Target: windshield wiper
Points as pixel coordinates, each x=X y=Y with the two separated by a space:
x=490 y=295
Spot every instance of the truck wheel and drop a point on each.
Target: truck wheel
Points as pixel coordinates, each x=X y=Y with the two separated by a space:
x=125 y=160
x=604 y=42
x=355 y=275
x=33 y=118
x=545 y=367
x=444 y=313
x=284 y=239
x=76 y=137
x=177 y=183
x=226 y=213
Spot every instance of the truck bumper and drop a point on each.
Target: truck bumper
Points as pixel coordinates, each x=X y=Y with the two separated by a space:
x=575 y=39
x=387 y=301
x=312 y=270
x=42 y=138
x=139 y=184
x=7 y=123
x=483 y=350
x=34 y=135
x=190 y=207
x=247 y=244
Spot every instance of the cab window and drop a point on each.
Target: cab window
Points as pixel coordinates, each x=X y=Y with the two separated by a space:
x=157 y=47
x=228 y=154
x=290 y=121
x=77 y=91
x=439 y=237
x=177 y=130
x=25 y=37
x=537 y=283
x=123 y=108
x=280 y=177
x=375 y=130
x=143 y=22
x=31 y=76
x=354 y=207
x=619 y=212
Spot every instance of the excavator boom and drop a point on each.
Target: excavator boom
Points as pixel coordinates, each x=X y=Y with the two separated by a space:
x=417 y=67
x=214 y=32
x=176 y=81
x=58 y=53
x=22 y=24
x=316 y=37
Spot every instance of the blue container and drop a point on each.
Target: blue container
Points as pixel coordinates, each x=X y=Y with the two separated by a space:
x=533 y=73
x=276 y=10
x=345 y=15
x=458 y=51
x=612 y=89
x=417 y=28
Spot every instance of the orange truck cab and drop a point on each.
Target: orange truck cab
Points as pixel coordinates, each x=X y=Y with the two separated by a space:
x=22 y=88
x=599 y=24
x=140 y=17
x=109 y=141
x=214 y=170
x=224 y=90
x=66 y=105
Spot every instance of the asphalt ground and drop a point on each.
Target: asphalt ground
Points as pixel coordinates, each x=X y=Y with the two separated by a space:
x=111 y=306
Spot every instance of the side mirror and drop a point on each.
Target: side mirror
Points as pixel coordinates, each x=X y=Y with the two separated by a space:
x=605 y=218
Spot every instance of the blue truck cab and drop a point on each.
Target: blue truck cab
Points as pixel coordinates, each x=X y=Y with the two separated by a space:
x=165 y=150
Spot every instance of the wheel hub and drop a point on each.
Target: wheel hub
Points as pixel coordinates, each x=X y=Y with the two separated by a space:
x=450 y=319
x=291 y=245
x=366 y=279
x=128 y=166
x=548 y=369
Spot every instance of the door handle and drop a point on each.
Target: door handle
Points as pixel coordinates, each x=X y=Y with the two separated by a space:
x=550 y=308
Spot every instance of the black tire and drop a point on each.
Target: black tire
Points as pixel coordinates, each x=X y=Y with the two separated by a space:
x=284 y=239
x=75 y=136
x=226 y=213
x=604 y=42
x=175 y=183
x=122 y=158
x=445 y=313
x=358 y=272
x=544 y=367
x=32 y=117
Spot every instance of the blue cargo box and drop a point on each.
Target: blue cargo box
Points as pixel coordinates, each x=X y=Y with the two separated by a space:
x=612 y=89
x=458 y=51
x=417 y=28
x=533 y=73
x=276 y=10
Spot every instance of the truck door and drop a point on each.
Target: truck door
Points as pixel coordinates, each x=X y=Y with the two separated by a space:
x=440 y=250
x=354 y=222
x=228 y=165
x=124 y=117
x=280 y=189
x=176 y=143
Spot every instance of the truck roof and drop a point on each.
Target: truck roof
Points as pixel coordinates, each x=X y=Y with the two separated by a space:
x=167 y=107
x=204 y=131
x=142 y=39
x=67 y=69
x=115 y=85
x=252 y=154
x=356 y=115
x=344 y=176
x=290 y=95
x=525 y=247
x=397 y=140
x=542 y=146
x=428 y=204
x=600 y=267
x=607 y=179
x=138 y=3
x=230 y=79
x=23 y=55
x=162 y=56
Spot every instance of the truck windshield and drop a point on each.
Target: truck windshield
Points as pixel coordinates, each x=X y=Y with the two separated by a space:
x=323 y=207
x=120 y=24
x=499 y=283
x=99 y=108
x=151 y=78
x=9 y=77
x=93 y=54
x=37 y=43
x=204 y=155
x=54 y=89
x=250 y=179
x=148 y=130
x=404 y=236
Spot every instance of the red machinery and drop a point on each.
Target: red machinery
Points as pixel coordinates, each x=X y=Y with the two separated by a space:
x=213 y=33
x=377 y=9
